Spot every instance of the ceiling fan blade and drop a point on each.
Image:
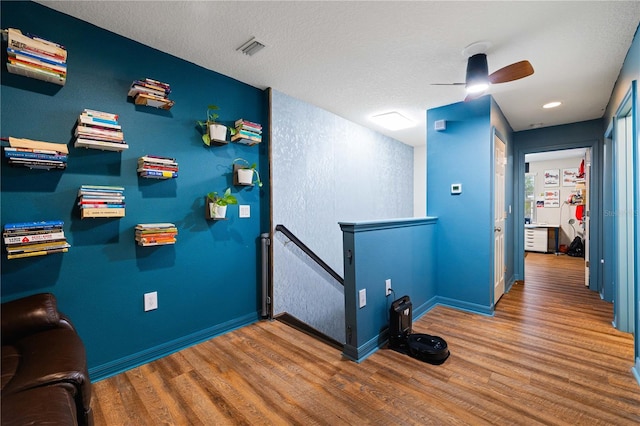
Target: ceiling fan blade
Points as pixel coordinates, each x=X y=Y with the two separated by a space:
x=511 y=72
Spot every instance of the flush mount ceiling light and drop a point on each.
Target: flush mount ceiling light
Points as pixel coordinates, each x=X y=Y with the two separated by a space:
x=553 y=104
x=251 y=47
x=393 y=121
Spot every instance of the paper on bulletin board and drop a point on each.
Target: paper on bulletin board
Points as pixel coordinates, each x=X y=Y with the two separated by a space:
x=552 y=198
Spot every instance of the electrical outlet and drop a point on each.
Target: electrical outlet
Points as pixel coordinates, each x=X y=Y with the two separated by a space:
x=387 y=287
x=150 y=301
x=363 y=297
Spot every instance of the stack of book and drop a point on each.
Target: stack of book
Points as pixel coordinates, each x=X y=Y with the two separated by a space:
x=36 y=154
x=151 y=93
x=99 y=130
x=247 y=132
x=30 y=239
x=153 y=166
x=156 y=234
x=36 y=57
x=101 y=201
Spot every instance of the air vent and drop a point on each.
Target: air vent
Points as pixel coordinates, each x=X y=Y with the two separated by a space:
x=251 y=47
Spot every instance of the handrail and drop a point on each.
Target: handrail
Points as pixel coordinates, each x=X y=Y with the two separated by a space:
x=310 y=253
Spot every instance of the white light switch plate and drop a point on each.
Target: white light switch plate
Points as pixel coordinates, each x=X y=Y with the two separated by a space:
x=150 y=301
x=363 y=297
x=245 y=210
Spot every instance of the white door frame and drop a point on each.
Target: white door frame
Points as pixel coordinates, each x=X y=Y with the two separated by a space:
x=499 y=216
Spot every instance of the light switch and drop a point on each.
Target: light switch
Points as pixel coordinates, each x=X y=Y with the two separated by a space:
x=363 y=297
x=245 y=210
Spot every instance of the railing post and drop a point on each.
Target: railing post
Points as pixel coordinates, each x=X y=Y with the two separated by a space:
x=265 y=243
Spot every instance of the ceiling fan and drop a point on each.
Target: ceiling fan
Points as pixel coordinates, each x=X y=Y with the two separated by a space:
x=478 y=79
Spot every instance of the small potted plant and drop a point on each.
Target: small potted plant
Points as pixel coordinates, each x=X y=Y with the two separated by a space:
x=245 y=172
x=217 y=204
x=212 y=130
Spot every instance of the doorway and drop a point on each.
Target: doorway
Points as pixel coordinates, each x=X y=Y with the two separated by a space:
x=556 y=197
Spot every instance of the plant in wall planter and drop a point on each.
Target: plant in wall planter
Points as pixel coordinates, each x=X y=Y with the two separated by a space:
x=217 y=204
x=213 y=131
x=245 y=172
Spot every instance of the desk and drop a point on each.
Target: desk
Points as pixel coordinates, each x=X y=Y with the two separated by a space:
x=536 y=237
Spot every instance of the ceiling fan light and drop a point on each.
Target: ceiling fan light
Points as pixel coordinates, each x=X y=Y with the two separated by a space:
x=553 y=104
x=477 y=87
x=477 y=74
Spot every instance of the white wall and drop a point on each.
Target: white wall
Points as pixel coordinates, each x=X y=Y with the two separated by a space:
x=556 y=215
x=326 y=170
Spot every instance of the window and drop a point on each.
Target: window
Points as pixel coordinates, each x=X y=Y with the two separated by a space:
x=530 y=197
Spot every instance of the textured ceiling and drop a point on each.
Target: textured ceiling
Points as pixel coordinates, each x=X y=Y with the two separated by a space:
x=357 y=59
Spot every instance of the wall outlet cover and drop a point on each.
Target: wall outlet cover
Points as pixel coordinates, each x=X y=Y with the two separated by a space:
x=150 y=301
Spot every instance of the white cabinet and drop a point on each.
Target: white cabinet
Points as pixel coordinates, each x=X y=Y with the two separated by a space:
x=535 y=239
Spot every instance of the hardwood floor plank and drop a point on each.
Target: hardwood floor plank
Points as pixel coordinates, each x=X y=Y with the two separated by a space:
x=548 y=356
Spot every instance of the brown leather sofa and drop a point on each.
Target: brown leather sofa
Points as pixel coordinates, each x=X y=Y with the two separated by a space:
x=44 y=366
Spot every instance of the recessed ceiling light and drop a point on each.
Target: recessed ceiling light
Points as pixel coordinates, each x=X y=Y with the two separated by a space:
x=393 y=121
x=552 y=104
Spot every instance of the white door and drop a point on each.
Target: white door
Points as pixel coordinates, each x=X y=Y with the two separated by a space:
x=499 y=212
x=587 y=219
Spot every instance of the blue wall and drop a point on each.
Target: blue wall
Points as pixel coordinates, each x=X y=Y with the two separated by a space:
x=630 y=72
x=208 y=282
x=402 y=250
x=463 y=153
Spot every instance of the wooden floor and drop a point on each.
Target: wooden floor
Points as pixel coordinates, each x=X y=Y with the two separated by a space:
x=548 y=356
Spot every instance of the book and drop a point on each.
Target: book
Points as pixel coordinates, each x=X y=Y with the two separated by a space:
x=143 y=226
x=243 y=135
x=99 y=132
x=38 y=56
x=102 y=188
x=98 y=122
x=34 y=72
x=31 y=225
x=18 y=40
x=34 y=237
x=156 y=159
x=30 y=231
x=102 y=212
x=104 y=145
x=37 y=164
x=36 y=151
x=241 y=122
x=161 y=174
x=19 y=248
x=32 y=144
x=100 y=114
x=156 y=166
x=31 y=63
x=34 y=155
x=36 y=253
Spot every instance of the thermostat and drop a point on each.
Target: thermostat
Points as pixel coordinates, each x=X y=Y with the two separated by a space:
x=456 y=188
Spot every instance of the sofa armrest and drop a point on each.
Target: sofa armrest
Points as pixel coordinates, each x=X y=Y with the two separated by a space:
x=28 y=315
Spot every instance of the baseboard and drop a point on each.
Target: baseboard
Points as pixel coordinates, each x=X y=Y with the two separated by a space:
x=474 y=308
x=636 y=370
x=362 y=352
x=112 y=368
